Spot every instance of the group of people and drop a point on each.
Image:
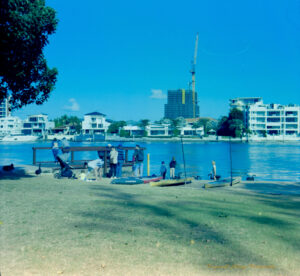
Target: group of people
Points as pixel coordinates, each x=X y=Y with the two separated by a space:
x=163 y=168
x=116 y=158
x=172 y=165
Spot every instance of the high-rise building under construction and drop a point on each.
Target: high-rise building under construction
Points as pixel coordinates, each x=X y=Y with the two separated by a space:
x=180 y=104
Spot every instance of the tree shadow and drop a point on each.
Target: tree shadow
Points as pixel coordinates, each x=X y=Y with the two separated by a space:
x=178 y=222
x=14 y=175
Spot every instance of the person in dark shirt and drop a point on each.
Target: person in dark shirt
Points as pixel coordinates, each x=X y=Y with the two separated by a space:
x=139 y=161
x=163 y=170
x=172 y=168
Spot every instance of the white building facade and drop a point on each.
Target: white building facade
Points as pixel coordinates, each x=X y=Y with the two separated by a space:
x=269 y=119
x=38 y=125
x=133 y=130
x=159 y=130
x=189 y=130
x=94 y=123
x=4 y=108
x=10 y=125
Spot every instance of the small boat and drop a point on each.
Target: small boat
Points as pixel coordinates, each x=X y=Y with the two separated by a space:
x=223 y=182
x=154 y=178
x=171 y=182
x=20 y=138
x=136 y=180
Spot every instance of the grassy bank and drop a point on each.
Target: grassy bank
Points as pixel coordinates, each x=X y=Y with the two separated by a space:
x=69 y=227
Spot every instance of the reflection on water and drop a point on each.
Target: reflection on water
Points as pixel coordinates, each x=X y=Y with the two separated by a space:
x=266 y=161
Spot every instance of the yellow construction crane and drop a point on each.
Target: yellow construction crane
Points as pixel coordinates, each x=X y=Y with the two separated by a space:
x=193 y=76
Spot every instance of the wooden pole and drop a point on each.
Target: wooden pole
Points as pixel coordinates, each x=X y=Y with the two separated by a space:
x=148 y=164
x=34 y=156
x=105 y=163
x=230 y=156
x=183 y=160
x=72 y=156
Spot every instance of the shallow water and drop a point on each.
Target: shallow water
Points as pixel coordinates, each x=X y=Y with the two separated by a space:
x=266 y=161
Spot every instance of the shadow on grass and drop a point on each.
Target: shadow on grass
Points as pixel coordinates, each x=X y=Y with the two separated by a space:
x=173 y=220
x=15 y=175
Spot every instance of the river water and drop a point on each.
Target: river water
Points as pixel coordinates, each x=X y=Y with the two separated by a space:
x=268 y=161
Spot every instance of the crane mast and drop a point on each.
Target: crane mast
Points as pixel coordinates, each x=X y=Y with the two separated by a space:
x=193 y=76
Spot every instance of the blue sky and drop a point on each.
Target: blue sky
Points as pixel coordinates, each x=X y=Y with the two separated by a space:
x=121 y=57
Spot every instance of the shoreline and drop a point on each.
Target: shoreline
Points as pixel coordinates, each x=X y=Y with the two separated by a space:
x=172 y=140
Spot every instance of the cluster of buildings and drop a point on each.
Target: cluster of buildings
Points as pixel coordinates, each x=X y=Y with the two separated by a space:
x=261 y=119
x=93 y=124
x=96 y=123
x=268 y=119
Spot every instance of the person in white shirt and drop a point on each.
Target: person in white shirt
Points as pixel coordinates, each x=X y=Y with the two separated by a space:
x=214 y=170
x=113 y=162
x=96 y=165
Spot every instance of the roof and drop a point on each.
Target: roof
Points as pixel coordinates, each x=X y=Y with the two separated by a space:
x=194 y=120
x=95 y=114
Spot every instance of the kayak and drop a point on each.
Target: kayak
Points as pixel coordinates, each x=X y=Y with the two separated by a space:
x=148 y=179
x=127 y=181
x=223 y=182
x=136 y=180
x=171 y=182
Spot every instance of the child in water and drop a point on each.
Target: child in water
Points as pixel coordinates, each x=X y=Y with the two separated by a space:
x=163 y=170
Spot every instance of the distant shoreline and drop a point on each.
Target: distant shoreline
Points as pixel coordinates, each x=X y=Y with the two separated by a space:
x=197 y=140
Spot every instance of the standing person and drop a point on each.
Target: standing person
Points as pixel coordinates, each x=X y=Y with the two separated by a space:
x=65 y=148
x=163 y=170
x=121 y=158
x=55 y=148
x=172 y=168
x=139 y=161
x=108 y=150
x=214 y=170
x=113 y=162
x=133 y=165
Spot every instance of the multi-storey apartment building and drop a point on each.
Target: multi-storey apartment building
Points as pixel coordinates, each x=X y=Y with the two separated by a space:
x=37 y=125
x=270 y=119
x=94 y=123
x=180 y=104
x=10 y=125
x=4 y=108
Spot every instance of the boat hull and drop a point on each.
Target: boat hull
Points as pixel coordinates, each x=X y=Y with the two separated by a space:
x=20 y=138
x=135 y=180
x=171 y=182
x=222 y=183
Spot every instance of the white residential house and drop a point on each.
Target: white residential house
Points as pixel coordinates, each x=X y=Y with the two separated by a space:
x=10 y=125
x=133 y=130
x=188 y=130
x=270 y=119
x=94 y=123
x=37 y=125
x=159 y=130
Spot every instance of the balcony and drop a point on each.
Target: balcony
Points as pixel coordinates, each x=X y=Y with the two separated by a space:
x=287 y=126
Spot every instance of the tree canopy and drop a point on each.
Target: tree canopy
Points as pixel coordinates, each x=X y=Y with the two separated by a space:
x=115 y=126
x=24 y=29
x=66 y=120
x=233 y=125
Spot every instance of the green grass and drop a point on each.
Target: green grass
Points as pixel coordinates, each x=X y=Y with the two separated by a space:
x=51 y=226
